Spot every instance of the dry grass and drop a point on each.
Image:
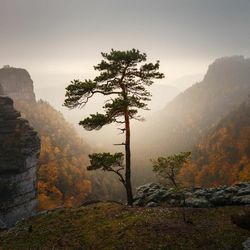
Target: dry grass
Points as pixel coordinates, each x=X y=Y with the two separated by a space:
x=112 y=226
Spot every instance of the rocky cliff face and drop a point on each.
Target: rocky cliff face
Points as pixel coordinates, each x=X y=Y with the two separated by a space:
x=17 y=84
x=1 y=90
x=19 y=149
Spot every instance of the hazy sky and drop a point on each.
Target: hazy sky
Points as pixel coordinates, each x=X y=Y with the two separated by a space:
x=65 y=37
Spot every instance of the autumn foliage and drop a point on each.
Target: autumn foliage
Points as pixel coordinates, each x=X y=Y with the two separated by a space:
x=63 y=157
x=223 y=155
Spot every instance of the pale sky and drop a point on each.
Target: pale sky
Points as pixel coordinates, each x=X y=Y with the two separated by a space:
x=57 y=38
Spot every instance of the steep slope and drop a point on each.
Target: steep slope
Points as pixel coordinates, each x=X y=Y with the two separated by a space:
x=62 y=175
x=63 y=178
x=192 y=113
x=19 y=150
x=223 y=155
x=63 y=158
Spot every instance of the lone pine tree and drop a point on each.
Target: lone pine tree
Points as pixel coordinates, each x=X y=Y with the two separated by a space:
x=123 y=76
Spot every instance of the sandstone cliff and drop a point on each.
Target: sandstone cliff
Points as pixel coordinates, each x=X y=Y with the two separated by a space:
x=19 y=149
x=17 y=84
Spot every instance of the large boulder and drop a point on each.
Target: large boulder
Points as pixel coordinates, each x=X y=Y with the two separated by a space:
x=197 y=202
x=151 y=192
x=241 y=200
x=220 y=198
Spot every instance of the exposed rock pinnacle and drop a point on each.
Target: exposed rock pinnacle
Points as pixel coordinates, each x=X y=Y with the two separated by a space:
x=19 y=150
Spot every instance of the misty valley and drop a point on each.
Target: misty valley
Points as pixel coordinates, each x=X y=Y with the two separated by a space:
x=192 y=152
x=124 y=125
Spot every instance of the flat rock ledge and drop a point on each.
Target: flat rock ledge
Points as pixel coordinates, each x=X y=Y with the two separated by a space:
x=153 y=194
x=19 y=150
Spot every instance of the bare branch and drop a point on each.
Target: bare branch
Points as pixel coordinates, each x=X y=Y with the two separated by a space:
x=122 y=180
x=120 y=144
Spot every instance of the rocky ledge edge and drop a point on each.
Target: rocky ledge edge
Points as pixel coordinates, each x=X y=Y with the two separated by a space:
x=153 y=194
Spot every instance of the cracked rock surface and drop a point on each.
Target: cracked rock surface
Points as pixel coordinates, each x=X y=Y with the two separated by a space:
x=238 y=194
x=19 y=151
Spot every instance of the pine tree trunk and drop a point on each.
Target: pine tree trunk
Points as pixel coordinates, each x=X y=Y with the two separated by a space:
x=128 y=161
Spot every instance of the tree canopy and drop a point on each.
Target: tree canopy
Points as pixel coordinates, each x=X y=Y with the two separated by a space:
x=169 y=167
x=123 y=78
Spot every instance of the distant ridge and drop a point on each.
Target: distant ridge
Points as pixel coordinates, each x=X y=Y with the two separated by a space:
x=185 y=119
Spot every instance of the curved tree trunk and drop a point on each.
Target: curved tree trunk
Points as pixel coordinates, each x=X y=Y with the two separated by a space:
x=128 y=161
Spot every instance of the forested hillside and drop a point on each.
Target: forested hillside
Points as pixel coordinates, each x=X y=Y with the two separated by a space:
x=223 y=155
x=63 y=178
x=188 y=118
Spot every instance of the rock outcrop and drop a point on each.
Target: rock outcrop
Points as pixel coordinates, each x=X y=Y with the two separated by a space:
x=153 y=194
x=17 y=84
x=1 y=90
x=19 y=150
x=246 y=244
